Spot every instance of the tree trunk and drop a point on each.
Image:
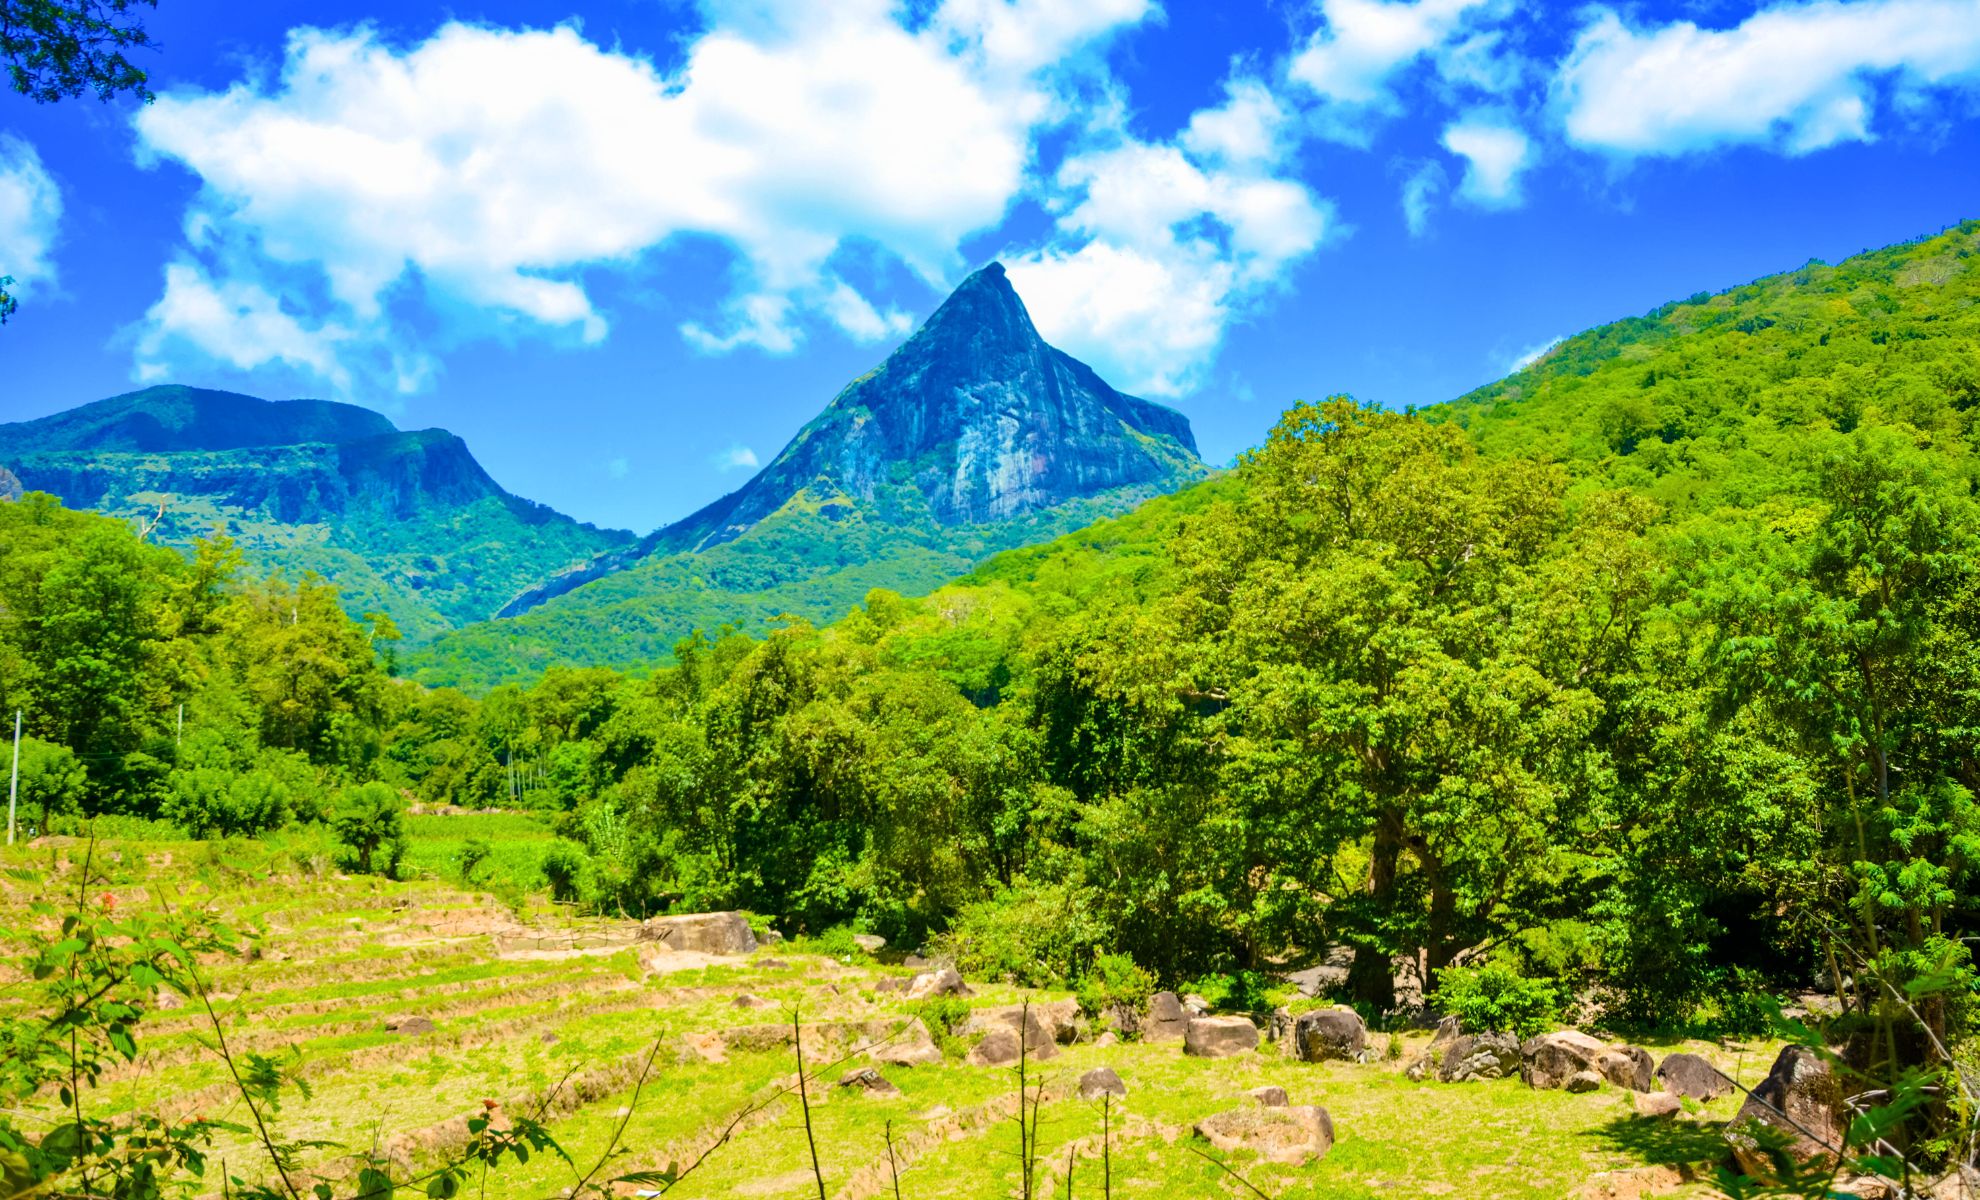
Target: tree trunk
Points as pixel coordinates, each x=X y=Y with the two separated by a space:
x=1371 y=977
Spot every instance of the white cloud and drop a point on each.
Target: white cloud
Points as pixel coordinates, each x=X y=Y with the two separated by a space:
x=30 y=211
x=1495 y=155
x=1362 y=44
x=736 y=457
x=1532 y=354
x=491 y=169
x=236 y=322
x=1796 y=76
x=1420 y=193
x=1160 y=247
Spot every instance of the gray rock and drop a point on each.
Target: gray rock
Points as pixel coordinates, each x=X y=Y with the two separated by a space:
x=1166 y=1019
x=1270 y=1096
x=1292 y=1135
x=1448 y=1031
x=1583 y=1081
x=702 y=933
x=1550 y=1059
x=1693 y=1076
x=746 y=1000
x=1657 y=1105
x=1195 y=1005
x=1479 y=1056
x=1219 y=1037
x=1329 y=1033
x=1802 y=1088
x=872 y=943
x=910 y=1047
x=1100 y=1081
x=943 y=982
x=915 y=960
x=870 y=1081
x=1631 y=1067
x=1281 y=1026
x=999 y=1048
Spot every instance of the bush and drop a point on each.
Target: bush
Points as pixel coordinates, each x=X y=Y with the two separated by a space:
x=52 y=782
x=1114 y=982
x=1497 y=999
x=564 y=867
x=1034 y=934
x=209 y=802
x=836 y=942
x=474 y=852
x=944 y=1016
x=370 y=820
x=1246 y=991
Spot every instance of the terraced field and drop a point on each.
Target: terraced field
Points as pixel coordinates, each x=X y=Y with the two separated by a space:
x=410 y=1004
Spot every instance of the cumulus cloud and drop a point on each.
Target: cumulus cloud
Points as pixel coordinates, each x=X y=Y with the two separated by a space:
x=1797 y=77
x=491 y=169
x=1361 y=45
x=735 y=458
x=1532 y=354
x=1159 y=247
x=1495 y=155
x=30 y=211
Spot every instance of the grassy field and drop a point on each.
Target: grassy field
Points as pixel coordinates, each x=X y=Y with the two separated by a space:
x=537 y=1008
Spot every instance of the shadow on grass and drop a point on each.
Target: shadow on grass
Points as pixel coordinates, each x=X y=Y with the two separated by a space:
x=1656 y=1142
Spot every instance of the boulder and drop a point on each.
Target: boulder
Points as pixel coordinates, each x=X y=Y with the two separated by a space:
x=915 y=960
x=1057 y=1022
x=703 y=933
x=872 y=943
x=870 y=1081
x=1101 y=1081
x=1270 y=1096
x=1656 y=1104
x=1635 y=1069
x=1219 y=1037
x=943 y=982
x=911 y=1047
x=1448 y=1030
x=1800 y=1096
x=1551 y=1059
x=1691 y=1075
x=409 y=1026
x=1166 y=1019
x=1479 y=1056
x=893 y=983
x=1195 y=1005
x=1329 y=1033
x=746 y=1000
x=999 y=1048
x=1583 y=1081
x=1281 y=1025
x=1292 y=1135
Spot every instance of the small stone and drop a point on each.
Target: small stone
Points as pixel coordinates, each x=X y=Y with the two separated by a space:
x=872 y=943
x=1583 y=1081
x=549 y=1039
x=915 y=960
x=1270 y=1096
x=409 y=1026
x=772 y=964
x=944 y=982
x=1195 y=1005
x=1100 y=1081
x=747 y=1000
x=872 y=1082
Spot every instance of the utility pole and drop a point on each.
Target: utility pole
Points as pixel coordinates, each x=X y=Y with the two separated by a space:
x=14 y=784
x=180 y=737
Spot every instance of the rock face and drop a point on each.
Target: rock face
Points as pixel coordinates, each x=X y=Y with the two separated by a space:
x=980 y=416
x=944 y=982
x=1219 y=1037
x=703 y=933
x=1690 y=1075
x=1292 y=1135
x=1166 y=1019
x=1101 y=1081
x=1551 y=1059
x=1799 y=1097
x=1479 y=1056
x=10 y=485
x=1329 y=1033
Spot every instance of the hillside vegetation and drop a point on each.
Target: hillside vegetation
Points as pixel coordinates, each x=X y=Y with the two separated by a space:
x=1643 y=687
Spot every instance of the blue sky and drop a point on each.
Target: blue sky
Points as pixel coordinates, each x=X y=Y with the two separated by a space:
x=626 y=249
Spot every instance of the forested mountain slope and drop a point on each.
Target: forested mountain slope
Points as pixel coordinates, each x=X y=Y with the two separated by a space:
x=407 y=524
x=974 y=436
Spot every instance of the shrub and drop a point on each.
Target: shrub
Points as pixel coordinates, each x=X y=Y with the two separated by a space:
x=564 y=867
x=1030 y=933
x=1114 y=982
x=370 y=820
x=836 y=942
x=474 y=852
x=1245 y=991
x=52 y=780
x=944 y=1016
x=1497 y=999
x=209 y=802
